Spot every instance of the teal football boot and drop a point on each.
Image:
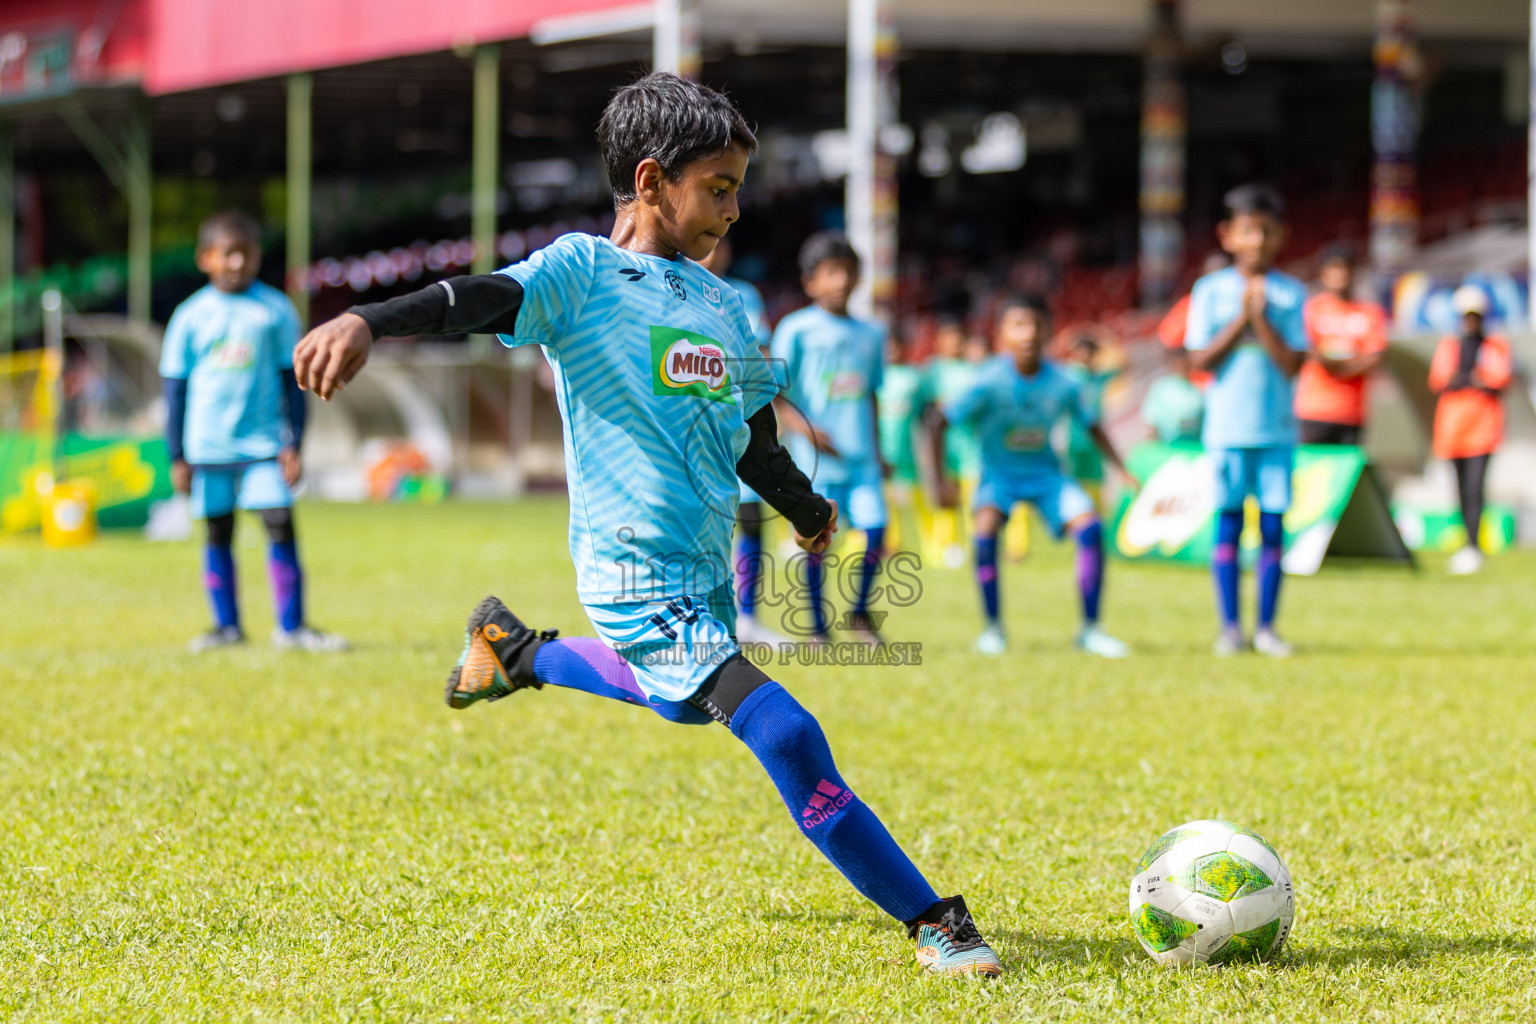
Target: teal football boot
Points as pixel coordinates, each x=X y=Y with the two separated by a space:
x=948 y=942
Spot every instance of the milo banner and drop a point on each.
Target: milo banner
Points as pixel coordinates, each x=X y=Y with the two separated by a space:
x=126 y=475
x=1338 y=508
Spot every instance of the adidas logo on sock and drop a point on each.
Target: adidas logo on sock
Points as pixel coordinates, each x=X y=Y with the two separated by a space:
x=824 y=803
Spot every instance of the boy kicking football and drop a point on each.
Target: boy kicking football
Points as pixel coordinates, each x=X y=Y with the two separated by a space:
x=1014 y=403
x=665 y=403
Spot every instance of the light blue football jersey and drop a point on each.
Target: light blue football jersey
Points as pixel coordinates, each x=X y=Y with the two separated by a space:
x=1249 y=401
x=656 y=372
x=833 y=365
x=231 y=350
x=752 y=304
x=1013 y=416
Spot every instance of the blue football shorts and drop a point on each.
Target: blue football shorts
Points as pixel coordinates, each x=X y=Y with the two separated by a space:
x=1057 y=497
x=219 y=490
x=1264 y=473
x=860 y=496
x=673 y=644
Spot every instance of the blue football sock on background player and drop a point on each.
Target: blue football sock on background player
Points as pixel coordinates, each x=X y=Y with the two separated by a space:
x=1090 y=569
x=749 y=568
x=287 y=584
x=1224 y=565
x=1272 y=541
x=869 y=566
x=814 y=578
x=986 y=574
x=219 y=580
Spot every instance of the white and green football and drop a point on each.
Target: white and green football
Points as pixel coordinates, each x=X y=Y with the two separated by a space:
x=1211 y=892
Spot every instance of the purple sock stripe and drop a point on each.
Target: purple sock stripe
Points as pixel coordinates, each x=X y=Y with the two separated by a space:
x=1090 y=580
x=610 y=668
x=287 y=586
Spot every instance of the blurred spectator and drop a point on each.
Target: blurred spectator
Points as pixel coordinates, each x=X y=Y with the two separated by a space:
x=1170 y=330
x=1349 y=340
x=1469 y=372
x=1174 y=407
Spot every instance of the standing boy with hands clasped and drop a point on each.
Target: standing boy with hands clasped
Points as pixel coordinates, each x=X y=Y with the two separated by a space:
x=1246 y=330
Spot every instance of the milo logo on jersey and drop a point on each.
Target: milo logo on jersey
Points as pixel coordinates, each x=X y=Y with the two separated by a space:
x=1025 y=439
x=231 y=354
x=687 y=363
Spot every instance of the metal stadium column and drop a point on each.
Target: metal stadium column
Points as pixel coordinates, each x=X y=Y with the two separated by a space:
x=675 y=40
x=7 y=238
x=138 y=192
x=1530 y=163
x=870 y=197
x=1395 y=136
x=1164 y=126
x=121 y=147
x=487 y=155
x=301 y=91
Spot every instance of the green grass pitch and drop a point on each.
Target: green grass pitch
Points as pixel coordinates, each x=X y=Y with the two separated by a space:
x=257 y=836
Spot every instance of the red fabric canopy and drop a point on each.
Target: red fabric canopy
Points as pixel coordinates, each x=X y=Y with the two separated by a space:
x=175 y=45
x=192 y=44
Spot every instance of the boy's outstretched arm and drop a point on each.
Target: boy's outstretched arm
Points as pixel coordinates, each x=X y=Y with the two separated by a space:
x=937 y=427
x=332 y=354
x=1111 y=455
x=767 y=468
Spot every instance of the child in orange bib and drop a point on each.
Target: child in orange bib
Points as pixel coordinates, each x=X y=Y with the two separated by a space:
x=1469 y=373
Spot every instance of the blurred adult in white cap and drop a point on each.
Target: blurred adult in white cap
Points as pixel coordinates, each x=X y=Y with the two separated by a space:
x=1469 y=372
x=1470 y=298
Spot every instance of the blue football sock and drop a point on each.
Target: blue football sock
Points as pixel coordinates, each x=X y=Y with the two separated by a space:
x=1272 y=546
x=287 y=584
x=790 y=745
x=1224 y=565
x=813 y=581
x=869 y=567
x=1090 y=569
x=582 y=663
x=219 y=581
x=986 y=574
x=749 y=567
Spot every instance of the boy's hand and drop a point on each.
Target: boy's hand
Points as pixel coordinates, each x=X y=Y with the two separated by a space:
x=949 y=494
x=329 y=356
x=1253 y=299
x=817 y=544
x=293 y=468
x=181 y=477
x=822 y=442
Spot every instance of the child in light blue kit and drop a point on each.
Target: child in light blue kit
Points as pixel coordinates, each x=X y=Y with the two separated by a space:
x=835 y=364
x=1246 y=330
x=234 y=424
x=666 y=406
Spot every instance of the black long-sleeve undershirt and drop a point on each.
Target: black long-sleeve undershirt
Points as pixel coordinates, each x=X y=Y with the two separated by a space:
x=767 y=468
x=472 y=304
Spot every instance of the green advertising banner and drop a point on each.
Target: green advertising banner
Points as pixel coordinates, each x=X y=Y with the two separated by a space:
x=1338 y=508
x=126 y=474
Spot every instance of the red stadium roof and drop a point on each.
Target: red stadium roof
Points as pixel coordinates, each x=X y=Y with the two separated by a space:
x=52 y=46
x=198 y=43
